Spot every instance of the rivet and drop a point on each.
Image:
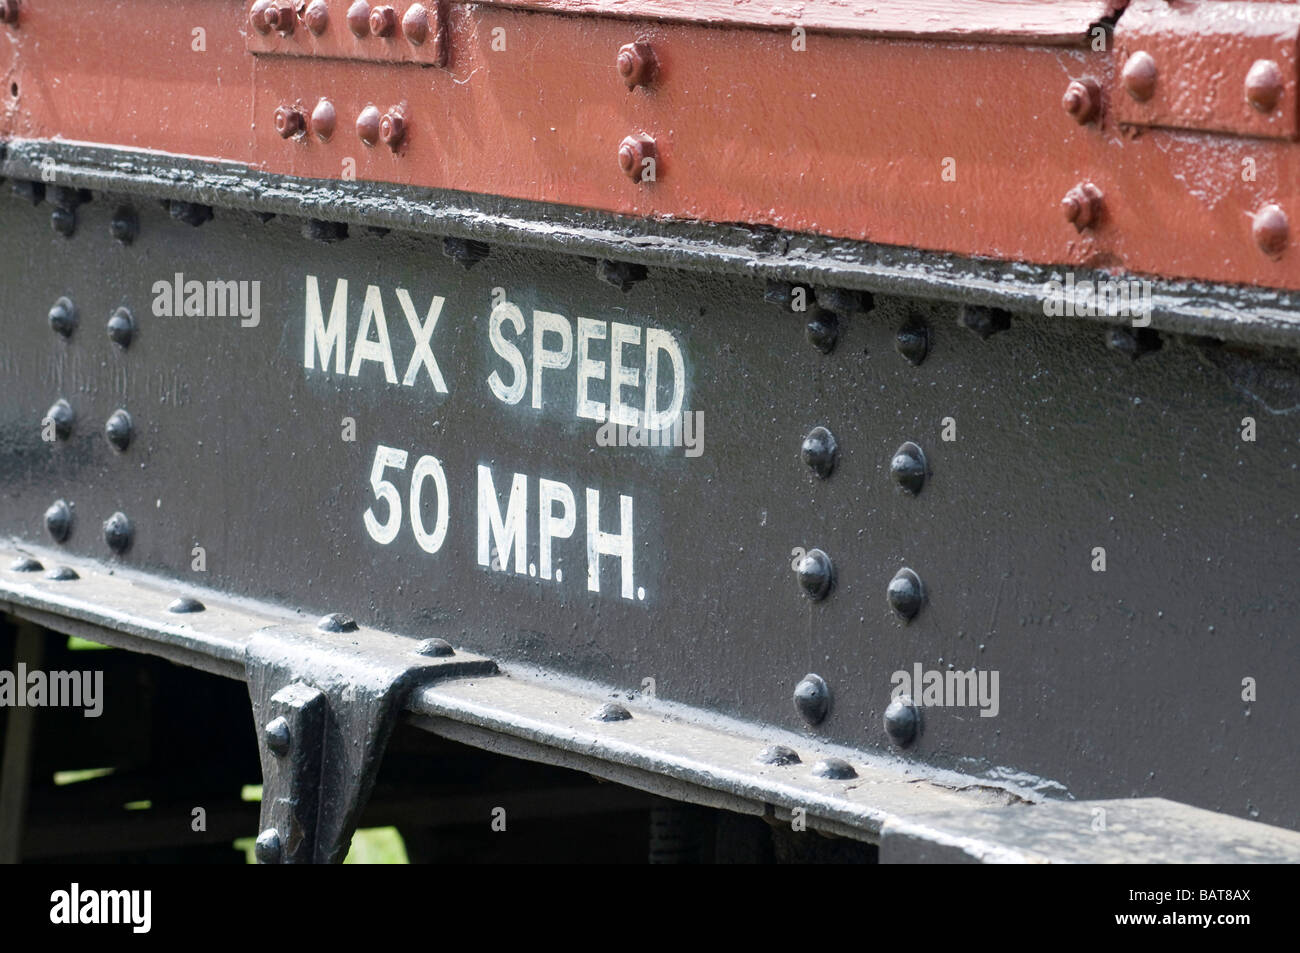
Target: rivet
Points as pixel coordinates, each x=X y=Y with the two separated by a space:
x=621 y=274
x=276 y=735
x=846 y=300
x=191 y=213
x=818 y=451
x=1082 y=205
x=392 y=127
x=118 y=533
x=63 y=317
x=902 y=720
x=1140 y=76
x=184 y=605
x=121 y=327
x=281 y=17
x=435 y=648
x=984 y=321
x=913 y=341
x=834 y=769
x=323 y=119
x=368 y=125
x=257 y=16
x=359 y=18
x=316 y=17
x=906 y=594
x=267 y=848
x=124 y=226
x=908 y=467
x=823 y=330
x=465 y=251
x=1264 y=85
x=1082 y=100
x=383 y=21
x=290 y=122
x=337 y=622
x=415 y=24
x=778 y=755
x=610 y=711
x=636 y=64
x=25 y=564
x=1133 y=342
x=317 y=230
x=62 y=574
x=118 y=429
x=63 y=220
x=633 y=154
x=9 y=11
x=815 y=573
x=812 y=698
x=1271 y=229
x=62 y=416
x=58 y=520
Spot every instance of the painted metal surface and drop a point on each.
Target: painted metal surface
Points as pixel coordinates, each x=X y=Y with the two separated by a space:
x=1061 y=447
x=957 y=147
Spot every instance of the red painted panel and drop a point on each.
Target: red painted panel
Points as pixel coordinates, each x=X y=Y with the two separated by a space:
x=851 y=137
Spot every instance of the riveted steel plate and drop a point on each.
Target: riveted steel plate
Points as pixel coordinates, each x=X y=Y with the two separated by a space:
x=1168 y=674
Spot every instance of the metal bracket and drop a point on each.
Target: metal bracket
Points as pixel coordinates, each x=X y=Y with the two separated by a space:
x=325 y=703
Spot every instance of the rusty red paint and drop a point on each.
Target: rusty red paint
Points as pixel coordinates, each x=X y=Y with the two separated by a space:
x=850 y=142
x=1223 y=66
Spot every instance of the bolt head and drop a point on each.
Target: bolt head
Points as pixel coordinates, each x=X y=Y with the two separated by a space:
x=636 y=64
x=383 y=21
x=905 y=594
x=276 y=736
x=1082 y=206
x=812 y=698
x=316 y=17
x=118 y=533
x=902 y=720
x=1140 y=76
x=58 y=520
x=257 y=16
x=415 y=24
x=368 y=125
x=815 y=574
x=289 y=122
x=359 y=18
x=267 y=849
x=392 y=128
x=9 y=11
x=818 y=451
x=632 y=155
x=323 y=120
x=1271 y=230
x=281 y=17
x=1082 y=100
x=908 y=467
x=1264 y=85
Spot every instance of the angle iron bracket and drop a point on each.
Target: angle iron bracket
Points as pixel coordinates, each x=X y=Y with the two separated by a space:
x=325 y=703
